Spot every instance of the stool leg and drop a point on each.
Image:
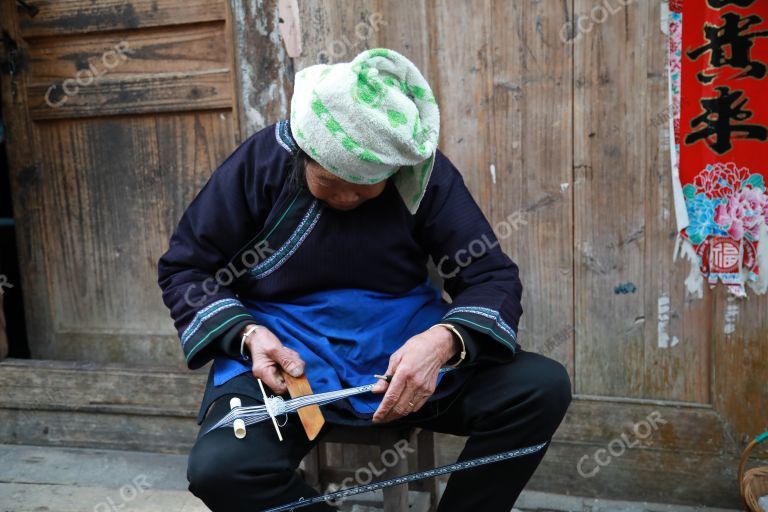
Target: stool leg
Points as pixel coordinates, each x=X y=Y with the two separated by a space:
x=396 y=497
x=312 y=468
x=425 y=457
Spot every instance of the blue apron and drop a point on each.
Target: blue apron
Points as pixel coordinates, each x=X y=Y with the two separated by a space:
x=344 y=336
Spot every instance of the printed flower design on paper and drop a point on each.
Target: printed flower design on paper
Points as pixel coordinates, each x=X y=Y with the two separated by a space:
x=721 y=180
x=675 y=42
x=744 y=212
x=725 y=200
x=701 y=217
x=675 y=63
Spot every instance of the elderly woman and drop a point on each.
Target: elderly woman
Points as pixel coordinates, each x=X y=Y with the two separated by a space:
x=307 y=253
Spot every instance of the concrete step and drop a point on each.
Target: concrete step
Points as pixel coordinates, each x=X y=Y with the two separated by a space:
x=533 y=501
x=35 y=478
x=56 y=479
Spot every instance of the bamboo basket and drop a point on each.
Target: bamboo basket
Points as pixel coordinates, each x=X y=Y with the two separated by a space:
x=753 y=483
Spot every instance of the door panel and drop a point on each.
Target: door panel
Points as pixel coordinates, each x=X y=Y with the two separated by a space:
x=126 y=108
x=638 y=334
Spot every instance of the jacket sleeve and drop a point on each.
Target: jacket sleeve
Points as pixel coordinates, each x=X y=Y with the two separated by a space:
x=482 y=281
x=197 y=273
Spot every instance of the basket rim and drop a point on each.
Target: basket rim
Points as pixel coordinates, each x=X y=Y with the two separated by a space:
x=743 y=464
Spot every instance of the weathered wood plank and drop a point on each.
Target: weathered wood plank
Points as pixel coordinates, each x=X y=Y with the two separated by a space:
x=650 y=452
x=167 y=50
x=171 y=69
x=27 y=195
x=3 y=335
x=740 y=363
x=641 y=475
x=114 y=189
x=189 y=91
x=674 y=370
x=530 y=154
x=640 y=336
x=78 y=386
x=100 y=195
x=116 y=431
x=67 y=17
x=264 y=82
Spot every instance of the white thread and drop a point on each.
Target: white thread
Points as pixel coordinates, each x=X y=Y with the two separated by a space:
x=278 y=406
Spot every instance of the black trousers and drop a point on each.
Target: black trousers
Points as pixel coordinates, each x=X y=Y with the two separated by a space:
x=501 y=407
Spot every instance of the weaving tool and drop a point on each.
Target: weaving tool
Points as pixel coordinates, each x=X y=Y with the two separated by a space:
x=311 y=417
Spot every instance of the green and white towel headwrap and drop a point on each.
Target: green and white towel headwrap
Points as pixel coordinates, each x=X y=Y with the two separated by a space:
x=369 y=120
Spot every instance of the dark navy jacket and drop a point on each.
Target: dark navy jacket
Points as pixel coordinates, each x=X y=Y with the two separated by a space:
x=247 y=235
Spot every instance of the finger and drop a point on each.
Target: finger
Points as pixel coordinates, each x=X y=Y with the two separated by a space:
x=419 y=402
x=391 y=398
x=416 y=395
x=383 y=385
x=403 y=406
x=291 y=362
x=288 y=359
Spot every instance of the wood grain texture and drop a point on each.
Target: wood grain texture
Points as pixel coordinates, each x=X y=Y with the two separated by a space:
x=3 y=335
x=102 y=180
x=740 y=364
x=264 y=82
x=178 y=68
x=311 y=417
x=26 y=192
x=114 y=189
x=689 y=459
x=68 y=17
x=102 y=406
x=530 y=195
x=650 y=341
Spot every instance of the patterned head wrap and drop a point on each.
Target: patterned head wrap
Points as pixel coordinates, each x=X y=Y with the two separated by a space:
x=369 y=120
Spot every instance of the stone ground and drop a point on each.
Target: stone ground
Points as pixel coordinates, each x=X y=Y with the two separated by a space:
x=46 y=479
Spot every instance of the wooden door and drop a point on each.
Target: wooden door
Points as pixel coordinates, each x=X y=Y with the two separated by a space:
x=556 y=131
x=117 y=114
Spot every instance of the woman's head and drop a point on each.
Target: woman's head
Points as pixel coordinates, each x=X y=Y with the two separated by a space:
x=329 y=188
x=365 y=122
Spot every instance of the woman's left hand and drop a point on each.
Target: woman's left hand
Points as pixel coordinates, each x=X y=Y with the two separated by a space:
x=414 y=368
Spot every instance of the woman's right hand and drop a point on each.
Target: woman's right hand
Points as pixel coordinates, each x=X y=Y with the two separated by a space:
x=269 y=356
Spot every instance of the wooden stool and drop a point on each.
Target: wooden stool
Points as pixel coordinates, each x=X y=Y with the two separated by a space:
x=318 y=474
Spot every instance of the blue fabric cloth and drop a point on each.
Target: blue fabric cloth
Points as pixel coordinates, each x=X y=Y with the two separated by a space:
x=344 y=336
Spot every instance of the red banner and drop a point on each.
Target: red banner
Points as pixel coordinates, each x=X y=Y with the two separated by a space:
x=724 y=135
